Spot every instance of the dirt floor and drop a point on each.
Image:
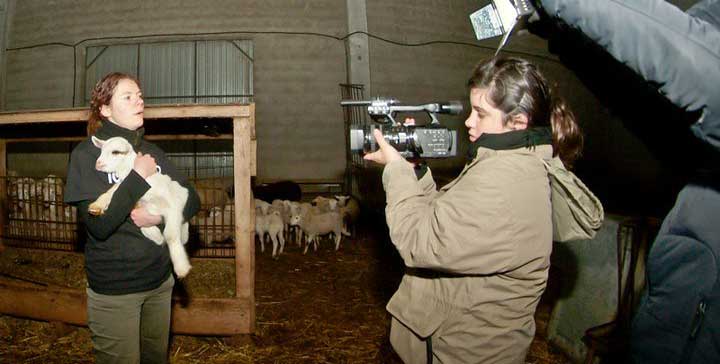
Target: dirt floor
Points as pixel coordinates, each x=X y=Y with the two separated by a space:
x=322 y=307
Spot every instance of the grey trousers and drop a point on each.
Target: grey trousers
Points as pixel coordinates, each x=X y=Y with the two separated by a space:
x=132 y=328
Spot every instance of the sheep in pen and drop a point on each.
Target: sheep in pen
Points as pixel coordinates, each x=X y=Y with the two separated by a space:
x=36 y=217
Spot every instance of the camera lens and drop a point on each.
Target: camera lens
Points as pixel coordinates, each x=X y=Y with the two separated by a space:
x=426 y=142
x=357 y=139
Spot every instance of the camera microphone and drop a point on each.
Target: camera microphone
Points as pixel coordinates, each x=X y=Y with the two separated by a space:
x=427 y=141
x=444 y=107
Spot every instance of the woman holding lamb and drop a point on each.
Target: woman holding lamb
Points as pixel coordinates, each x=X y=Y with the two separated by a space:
x=129 y=276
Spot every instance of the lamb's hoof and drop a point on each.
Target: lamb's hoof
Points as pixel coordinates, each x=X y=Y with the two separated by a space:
x=95 y=210
x=181 y=273
x=276 y=257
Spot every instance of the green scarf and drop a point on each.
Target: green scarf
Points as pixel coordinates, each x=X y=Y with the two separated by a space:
x=527 y=138
x=108 y=130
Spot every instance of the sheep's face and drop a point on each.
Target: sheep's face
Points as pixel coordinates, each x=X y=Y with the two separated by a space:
x=342 y=200
x=116 y=155
x=295 y=220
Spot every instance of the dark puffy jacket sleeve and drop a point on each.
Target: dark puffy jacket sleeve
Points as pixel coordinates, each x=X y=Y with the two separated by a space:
x=679 y=51
x=129 y=192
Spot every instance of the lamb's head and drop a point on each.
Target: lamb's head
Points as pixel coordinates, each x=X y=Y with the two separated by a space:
x=116 y=155
x=296 y=220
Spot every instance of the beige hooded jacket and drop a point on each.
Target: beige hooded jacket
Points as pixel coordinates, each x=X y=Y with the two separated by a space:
x=477 y=252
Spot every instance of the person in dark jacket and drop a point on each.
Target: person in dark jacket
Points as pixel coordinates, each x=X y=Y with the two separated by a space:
x=129 y=277
x=678 y=320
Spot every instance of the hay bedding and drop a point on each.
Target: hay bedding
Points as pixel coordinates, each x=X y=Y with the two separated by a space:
x=323 y=307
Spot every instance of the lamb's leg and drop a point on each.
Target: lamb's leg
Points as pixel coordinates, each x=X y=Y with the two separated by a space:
x=274 y=244
x=281 y=237
x=308 y=241
x=153 y=233
x=299 y=234
x=172 y=233
x=338 y=237
x=185 y=233
x=99 y=206
x=180 y=260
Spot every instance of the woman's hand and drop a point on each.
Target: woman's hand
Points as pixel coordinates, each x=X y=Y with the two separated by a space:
x=386 y=153
x=142 y=218
x=145 y=165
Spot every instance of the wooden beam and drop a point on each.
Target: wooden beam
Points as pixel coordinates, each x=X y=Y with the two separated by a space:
x=214 y=316
x=151 y=112
x=3 y=190
x=244 y=215
x=199 y=316
x=148 y=137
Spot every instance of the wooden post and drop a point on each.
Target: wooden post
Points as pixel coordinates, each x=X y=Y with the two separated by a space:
x=243 y=129
x=3 y=191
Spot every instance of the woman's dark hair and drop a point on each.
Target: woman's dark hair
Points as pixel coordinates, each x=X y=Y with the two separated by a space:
x=101 y=95
x=515 y=86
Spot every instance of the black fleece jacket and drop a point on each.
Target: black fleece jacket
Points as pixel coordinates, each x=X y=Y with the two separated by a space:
x=119 y=259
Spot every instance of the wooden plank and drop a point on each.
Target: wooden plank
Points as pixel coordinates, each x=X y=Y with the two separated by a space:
x=151 y=112
x=199 y=316
x=214 y=316
x=42 y=116
x=253 y=158
x=49 y=303
x=3 y=190
x=148 y=137
x=195 y=111
x=244 y=216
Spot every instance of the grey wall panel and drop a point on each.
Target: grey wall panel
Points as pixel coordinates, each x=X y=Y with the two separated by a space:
x=299 y=122
x=39 y=78
x=167 y=72
x=119 y=58
x=224 y=68
x=70 y=21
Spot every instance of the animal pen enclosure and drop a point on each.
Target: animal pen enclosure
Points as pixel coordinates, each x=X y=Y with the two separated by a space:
x=46 y=223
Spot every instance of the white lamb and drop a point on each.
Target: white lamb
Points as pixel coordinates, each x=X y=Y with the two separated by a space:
x=315 y=225
x=273 y=225
x=165 y=197
x=325 y=204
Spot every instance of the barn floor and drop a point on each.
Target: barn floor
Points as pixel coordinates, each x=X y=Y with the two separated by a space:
x=323 y=307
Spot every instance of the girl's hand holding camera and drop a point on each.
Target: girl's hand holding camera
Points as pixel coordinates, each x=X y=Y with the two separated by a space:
x=386 y=153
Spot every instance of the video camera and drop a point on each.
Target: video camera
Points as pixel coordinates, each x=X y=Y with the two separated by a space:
x=427 y=141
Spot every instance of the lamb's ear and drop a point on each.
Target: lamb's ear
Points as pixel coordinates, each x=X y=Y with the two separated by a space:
x=97 y=142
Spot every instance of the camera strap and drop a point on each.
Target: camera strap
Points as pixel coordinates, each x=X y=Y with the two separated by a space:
x=429 y=350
